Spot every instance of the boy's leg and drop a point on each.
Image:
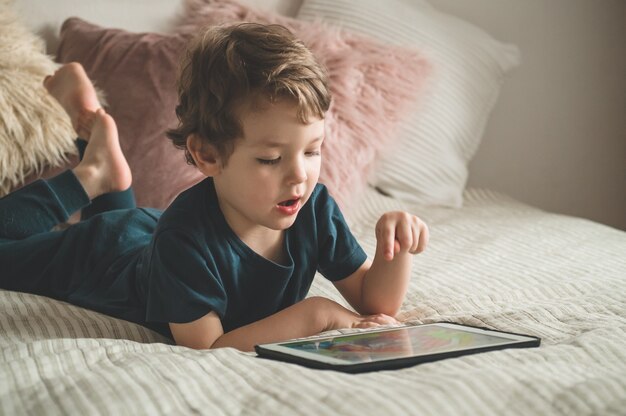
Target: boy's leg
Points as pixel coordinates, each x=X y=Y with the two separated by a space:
x=40 y=206
x=109 y=201
x=72 y=88
x=104 y=168
x=53 y=263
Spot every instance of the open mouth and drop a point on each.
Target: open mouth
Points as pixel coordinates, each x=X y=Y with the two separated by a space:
x=288 y=202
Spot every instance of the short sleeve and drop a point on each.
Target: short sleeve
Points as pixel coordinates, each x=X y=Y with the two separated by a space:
x=181 y=287
x=340 y=254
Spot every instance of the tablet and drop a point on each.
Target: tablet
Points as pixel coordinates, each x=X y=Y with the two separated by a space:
x=391 y=348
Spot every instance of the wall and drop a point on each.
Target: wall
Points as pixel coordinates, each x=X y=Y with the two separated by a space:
x=557 y=137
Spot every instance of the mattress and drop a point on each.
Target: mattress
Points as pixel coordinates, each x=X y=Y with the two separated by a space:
x=494 y=262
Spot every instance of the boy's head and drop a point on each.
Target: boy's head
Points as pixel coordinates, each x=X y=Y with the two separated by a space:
x=229 y=70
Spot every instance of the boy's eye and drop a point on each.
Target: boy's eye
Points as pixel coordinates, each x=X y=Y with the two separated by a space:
x=268 y=161
x=313 y=153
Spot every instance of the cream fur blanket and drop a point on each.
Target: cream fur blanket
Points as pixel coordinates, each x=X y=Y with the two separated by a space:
x=35 y=131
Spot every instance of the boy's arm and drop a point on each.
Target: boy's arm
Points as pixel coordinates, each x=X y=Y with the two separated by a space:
x=380 y=286
x=308 y=317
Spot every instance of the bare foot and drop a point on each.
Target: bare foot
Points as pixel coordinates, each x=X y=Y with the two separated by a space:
x=103 y=168
x=73 y=89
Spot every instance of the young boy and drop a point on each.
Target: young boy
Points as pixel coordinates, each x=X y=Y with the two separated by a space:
x=230 y=262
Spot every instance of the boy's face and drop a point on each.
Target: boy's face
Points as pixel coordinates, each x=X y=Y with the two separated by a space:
x=272 y=171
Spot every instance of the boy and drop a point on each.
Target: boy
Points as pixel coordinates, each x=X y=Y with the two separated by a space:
x=230 y=262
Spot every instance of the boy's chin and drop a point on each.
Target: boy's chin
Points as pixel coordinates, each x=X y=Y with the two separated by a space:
x=283 y=224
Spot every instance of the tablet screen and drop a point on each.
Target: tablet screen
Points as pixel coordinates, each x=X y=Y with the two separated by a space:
x=397 y=343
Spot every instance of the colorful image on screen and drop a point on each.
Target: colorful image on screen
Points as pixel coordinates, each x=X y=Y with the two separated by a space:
x=407 y=342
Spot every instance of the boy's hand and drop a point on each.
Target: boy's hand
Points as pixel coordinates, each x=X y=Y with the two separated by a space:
x=338 y=317
x=370 y=321
x=399 y=231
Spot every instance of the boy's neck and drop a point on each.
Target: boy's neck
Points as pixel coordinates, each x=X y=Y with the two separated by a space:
x=266 y=243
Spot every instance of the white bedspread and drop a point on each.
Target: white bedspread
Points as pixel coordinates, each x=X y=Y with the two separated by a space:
x=494 y=263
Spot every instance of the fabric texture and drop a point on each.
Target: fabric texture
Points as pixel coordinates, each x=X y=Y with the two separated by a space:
x=35 y=132
x=137 y=71
x=373 y=84
x=435 y=144
x=485 y=266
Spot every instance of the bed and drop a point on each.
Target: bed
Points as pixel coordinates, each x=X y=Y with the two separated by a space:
x=492 y=262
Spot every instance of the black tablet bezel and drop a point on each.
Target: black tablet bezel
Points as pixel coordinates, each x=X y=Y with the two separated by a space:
x=394 y=363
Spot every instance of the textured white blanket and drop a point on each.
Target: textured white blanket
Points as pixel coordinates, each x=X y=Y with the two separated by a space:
x=494 y=263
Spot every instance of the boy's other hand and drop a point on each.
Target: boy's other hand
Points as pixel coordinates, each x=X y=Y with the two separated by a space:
x=400 y=232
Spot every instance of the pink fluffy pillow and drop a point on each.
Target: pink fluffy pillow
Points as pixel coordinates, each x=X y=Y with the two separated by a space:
x=373 y=86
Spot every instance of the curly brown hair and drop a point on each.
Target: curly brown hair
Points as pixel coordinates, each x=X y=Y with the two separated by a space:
x=226 y=67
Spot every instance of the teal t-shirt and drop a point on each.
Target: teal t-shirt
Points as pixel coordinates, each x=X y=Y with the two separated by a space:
x=196 y=264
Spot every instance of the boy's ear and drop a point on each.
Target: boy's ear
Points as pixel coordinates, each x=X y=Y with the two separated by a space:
x=205 y=155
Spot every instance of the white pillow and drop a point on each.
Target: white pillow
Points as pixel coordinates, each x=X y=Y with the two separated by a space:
x=430 y=164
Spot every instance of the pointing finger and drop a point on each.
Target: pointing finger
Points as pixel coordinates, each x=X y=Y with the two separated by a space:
x=424 y=237
x=388 y=241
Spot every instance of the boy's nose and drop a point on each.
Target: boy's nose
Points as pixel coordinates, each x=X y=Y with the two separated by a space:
x=297 y=172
